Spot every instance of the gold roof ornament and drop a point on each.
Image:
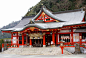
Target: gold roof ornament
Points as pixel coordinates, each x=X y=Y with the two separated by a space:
x=18 y=32
x=30 y=19
x=47 y=29
x=57 y=21
x=39 y=29
x=32 y=28
x=43 y=14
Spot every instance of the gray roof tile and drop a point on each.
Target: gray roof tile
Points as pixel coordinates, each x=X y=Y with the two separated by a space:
x=71 y=18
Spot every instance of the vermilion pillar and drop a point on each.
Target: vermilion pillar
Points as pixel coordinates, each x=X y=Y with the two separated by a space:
x=11 y=38
x=17 y=37
x=72 y=35
x=30 y=42
x=53 y=38
x=22 y=40
x=57 y=38
x=44 y=44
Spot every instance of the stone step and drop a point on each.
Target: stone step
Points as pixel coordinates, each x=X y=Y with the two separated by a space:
x=36 y=51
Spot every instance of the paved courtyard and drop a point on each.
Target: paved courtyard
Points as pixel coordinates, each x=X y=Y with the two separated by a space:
x=42 y=56
x=48 y=52
x=36 y=51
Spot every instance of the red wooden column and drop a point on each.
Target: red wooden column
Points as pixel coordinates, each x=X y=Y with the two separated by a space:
x=11 y=38
x=17 y=38
x=80 y=37
x=56 y=38
x=22 y=40
x=72 y=35
x=30 y=42
x=44 y=44
x=53 y=38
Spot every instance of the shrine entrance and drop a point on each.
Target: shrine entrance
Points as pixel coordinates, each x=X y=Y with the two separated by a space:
x=48 y=39
x=36 y=39
x=37 y=42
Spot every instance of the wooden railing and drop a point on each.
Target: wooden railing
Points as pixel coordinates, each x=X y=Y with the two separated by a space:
x=72 y=45
x=9 y=45
x=69 y=44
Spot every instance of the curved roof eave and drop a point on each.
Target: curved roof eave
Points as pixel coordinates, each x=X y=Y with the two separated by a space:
x=33 y=25
x=37 y=15
x=51 y=15
x=74 y=24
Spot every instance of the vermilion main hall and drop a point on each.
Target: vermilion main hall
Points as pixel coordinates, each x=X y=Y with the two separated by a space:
x=48 y=28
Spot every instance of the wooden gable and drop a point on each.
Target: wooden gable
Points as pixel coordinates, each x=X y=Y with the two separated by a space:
x=45 y=18
x=45 y=15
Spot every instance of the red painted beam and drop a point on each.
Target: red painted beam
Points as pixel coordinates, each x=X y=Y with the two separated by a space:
x=6 y=31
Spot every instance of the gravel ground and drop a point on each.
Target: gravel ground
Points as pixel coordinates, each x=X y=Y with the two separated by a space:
x=36 y=51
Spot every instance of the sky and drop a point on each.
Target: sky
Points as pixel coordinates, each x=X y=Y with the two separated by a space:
x=14 y=10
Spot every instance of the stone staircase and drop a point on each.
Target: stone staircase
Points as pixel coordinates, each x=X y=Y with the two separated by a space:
x=36 y=51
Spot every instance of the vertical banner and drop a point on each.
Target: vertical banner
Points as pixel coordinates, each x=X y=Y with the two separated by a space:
x=76 y=37
x=14 y=40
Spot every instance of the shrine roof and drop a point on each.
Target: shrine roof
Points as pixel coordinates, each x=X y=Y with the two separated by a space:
x=67 y=18
x=52 y=25
x=71 y=16
x=46 y=11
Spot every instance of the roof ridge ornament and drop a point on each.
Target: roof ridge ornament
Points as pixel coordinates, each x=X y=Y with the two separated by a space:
x=82 y=9
x=30 y=22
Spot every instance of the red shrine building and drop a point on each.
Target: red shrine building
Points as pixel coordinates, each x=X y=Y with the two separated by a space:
x=49 y=28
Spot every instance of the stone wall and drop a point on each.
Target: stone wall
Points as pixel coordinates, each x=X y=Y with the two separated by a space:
x=70 y=49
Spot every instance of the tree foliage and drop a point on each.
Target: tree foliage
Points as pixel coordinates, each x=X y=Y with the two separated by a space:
x=7 y=35
x=52 y=5
x=57 y=5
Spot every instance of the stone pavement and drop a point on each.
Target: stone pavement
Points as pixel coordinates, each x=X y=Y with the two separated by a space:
x=36 y=51
x=42 y=56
